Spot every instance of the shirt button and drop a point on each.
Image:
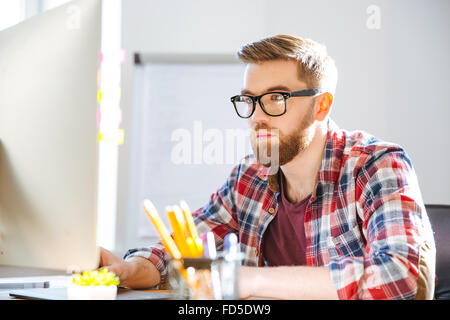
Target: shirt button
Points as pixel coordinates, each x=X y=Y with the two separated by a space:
x=271 y=210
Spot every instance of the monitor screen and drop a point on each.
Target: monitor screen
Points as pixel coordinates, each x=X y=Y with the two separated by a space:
x=49 y=140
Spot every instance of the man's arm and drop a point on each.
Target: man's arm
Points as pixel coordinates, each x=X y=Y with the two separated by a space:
x=394 y=224
x=293 y=283
x=146 y=267
x=395 y=227
x=135 y=272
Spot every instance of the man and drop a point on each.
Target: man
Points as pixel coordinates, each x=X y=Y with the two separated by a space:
x=320 y=212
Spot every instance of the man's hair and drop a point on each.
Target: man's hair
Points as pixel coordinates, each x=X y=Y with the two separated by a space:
x=315 y=67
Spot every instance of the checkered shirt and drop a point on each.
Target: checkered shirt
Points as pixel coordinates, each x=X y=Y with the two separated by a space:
x=365 y=220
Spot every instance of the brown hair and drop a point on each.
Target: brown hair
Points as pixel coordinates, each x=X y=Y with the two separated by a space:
x=315 y=67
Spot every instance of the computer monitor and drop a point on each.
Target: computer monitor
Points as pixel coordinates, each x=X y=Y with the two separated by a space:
x=49 y=140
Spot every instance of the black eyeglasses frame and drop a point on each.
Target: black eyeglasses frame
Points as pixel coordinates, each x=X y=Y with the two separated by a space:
x=286 y=95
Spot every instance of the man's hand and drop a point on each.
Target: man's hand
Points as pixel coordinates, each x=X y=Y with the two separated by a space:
x=115 y=264
x=136 y=272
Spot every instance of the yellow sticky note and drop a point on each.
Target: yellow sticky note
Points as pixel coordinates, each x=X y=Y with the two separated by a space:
x=99 y=96
x=114 y=136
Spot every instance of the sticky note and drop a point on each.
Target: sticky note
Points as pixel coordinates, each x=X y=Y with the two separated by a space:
x=99 y=96
x=99 y=78
x=116 y=136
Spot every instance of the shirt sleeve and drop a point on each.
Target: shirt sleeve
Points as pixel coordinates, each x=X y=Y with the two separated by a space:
x=217 y=216
x=394 y=227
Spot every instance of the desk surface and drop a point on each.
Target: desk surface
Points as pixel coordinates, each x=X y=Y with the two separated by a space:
x=14 y=271
x=57 y=279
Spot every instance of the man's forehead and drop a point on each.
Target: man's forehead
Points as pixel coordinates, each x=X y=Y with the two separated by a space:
x=278 y=75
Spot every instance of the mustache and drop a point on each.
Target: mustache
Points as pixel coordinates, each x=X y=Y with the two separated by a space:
x=265 y=128
x=258 y=127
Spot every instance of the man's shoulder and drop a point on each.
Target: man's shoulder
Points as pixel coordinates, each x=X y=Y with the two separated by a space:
x=359 y=143
x=357 y=149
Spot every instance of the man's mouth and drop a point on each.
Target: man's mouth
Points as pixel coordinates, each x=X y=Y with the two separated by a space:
x=263 y=135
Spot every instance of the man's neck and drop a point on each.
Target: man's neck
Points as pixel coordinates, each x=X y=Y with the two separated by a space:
x=302 y=171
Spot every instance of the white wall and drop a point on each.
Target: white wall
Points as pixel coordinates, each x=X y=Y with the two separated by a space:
x=393 y=81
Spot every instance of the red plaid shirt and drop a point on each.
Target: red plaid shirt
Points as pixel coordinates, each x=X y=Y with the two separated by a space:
x=365 y=221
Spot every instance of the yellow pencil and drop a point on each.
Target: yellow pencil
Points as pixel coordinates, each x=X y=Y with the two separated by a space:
x=189 y=220
x=199 y=246
x=179 y=229
x=167 y=240
x=192 y=229
x=191 y=245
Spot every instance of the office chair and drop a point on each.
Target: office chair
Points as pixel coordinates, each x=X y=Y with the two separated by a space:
x=440 y=220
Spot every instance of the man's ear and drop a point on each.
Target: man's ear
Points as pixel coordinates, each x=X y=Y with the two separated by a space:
x=325 y=101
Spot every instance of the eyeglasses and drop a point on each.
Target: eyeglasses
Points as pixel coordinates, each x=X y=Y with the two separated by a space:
x=272 y=103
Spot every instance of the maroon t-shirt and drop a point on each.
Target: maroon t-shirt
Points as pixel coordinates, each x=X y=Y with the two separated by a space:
x=284 y=239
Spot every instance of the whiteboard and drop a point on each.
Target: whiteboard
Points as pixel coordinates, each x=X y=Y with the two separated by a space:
x=188 y=136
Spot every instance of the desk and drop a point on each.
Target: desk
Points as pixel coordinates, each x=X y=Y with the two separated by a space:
x=13 y=271
x=57 y=279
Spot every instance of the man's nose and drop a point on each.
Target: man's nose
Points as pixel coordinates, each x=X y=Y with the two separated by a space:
x=259 y=116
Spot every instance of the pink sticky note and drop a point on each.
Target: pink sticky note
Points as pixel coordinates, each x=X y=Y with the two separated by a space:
x=99 y=117
x=120 y=116
x=122 y=56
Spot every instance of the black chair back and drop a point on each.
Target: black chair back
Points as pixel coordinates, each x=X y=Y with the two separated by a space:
x=440 y=221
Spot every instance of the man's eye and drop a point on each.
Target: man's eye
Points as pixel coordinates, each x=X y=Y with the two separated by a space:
x=276 y=97
x=245 y=99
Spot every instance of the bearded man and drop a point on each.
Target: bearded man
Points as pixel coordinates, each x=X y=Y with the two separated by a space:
x=320 y=212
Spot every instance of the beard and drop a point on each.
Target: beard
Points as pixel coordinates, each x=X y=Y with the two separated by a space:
x=280 y=149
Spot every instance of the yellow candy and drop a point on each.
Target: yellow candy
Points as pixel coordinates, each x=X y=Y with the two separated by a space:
x=96 y=278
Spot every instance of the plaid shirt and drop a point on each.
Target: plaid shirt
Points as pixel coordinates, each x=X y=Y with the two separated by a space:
x=365 y=220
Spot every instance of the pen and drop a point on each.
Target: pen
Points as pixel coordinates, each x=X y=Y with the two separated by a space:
x=231 y=246
x=230 y=272
x=211 y=253
x=209 y=246
x=167 y=240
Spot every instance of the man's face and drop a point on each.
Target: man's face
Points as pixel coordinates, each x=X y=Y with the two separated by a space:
x=277 y=140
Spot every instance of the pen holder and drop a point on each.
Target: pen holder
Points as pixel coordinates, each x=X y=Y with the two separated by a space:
x=228 y=268
x=204 y=279
x=192 y=279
